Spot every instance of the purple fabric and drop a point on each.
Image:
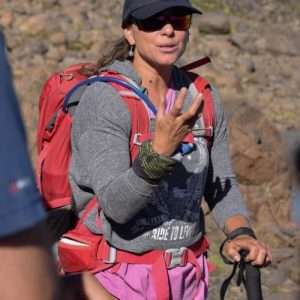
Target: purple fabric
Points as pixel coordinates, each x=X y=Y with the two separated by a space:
x=170 y=98
x=169 y=101
x=135 y=282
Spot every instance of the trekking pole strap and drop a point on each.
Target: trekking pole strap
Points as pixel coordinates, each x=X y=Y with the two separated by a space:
x=242 y=265
x=232 y=235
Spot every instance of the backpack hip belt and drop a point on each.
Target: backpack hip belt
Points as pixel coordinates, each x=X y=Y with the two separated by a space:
x=173 y=257
x=97 y=255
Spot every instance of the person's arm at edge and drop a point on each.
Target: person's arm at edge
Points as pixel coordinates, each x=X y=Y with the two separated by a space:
x=27 y=268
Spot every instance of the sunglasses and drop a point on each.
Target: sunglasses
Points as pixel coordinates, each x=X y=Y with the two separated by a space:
x=155 y=23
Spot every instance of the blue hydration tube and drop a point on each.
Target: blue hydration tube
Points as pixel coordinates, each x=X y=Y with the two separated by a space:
x=184 y=148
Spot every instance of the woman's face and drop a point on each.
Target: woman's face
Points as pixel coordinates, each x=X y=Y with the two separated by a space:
x=159 y=40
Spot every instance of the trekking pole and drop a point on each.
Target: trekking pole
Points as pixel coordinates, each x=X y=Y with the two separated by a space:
x=247 y=274
x=253 y=282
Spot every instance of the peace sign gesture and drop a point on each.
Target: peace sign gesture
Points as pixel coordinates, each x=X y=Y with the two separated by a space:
x=171 y=127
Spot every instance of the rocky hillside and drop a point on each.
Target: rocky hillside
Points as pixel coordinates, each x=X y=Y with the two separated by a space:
x=254 y=46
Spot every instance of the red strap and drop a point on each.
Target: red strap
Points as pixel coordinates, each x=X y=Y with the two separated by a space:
x=80 y=227
x=161 y=279
x=139 y=123
x=203 y=86
x=197 y=63
x=138 y=113
x=147 y=257
x=159 y=262
x=41 y=159
x=193 y=260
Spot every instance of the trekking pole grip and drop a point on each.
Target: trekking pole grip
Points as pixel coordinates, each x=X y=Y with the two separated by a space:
x=248 y=274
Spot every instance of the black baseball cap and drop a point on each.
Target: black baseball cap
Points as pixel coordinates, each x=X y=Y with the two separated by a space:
x=143 y=9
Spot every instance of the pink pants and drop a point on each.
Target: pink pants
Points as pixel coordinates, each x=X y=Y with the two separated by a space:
x=134 y=282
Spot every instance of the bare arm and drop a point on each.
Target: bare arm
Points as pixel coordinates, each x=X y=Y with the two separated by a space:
x=27 y=268
x=28 y=271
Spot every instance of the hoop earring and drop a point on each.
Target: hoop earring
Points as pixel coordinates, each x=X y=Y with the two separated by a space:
x=131 y=51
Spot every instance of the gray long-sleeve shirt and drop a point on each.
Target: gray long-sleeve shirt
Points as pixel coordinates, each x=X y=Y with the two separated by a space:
x=136 y=215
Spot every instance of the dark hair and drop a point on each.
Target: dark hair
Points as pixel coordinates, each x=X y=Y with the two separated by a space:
x=118 y=50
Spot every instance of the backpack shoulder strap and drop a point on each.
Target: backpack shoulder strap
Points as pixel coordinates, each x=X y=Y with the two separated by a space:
x=136 y=101
x=130 y=93
x=201 y=85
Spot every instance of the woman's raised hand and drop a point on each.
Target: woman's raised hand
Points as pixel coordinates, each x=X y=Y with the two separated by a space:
x=171 y=127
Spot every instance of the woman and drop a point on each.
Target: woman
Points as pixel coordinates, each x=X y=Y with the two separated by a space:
x=154 y=203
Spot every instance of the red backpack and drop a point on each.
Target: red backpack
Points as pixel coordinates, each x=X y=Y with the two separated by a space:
x=55 y=122
x=79 y=249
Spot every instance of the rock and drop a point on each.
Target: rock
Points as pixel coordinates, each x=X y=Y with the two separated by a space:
x=244 y=6
x=245 y=42
x=51 y=3
x=77 y=17
x=273 y=276
x=283 y=43
x=6 y=18
x=213 y=23
x=279 y=43
x=224 y=80
x=254 y=140
x=295 y=273
x=267 y=41
x=88 y=38
x=34 y=25
x=14 y=43
x=72 y=36
x=57 y=38
x=245 y=65
x=39 y=47
x=278 y=295
x=56 y=54
x=260 y=167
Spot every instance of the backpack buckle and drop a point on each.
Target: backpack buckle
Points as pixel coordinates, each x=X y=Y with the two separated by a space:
x=176 y=257
x=112 y=256
x=203 y=132
x=66 y=76
x=136 y=139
